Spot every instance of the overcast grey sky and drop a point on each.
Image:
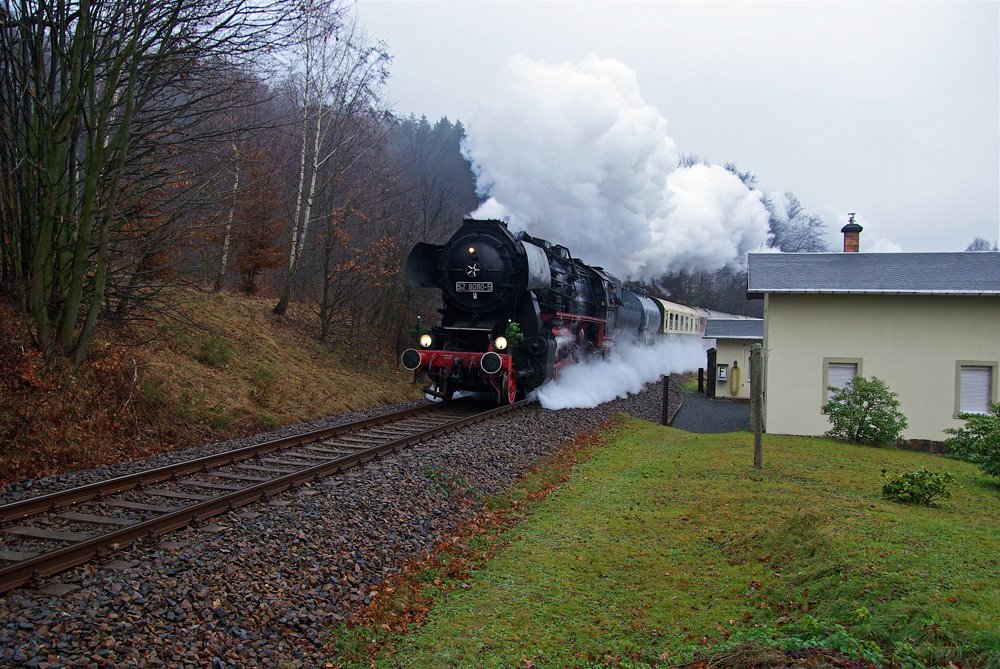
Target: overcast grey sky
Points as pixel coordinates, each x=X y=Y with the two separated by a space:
x=891 y=110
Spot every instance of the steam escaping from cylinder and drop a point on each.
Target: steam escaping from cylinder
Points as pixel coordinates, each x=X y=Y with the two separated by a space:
x=626 y=371
x=572 y=153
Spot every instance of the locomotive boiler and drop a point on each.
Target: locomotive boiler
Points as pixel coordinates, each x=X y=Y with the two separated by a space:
x=516 y=309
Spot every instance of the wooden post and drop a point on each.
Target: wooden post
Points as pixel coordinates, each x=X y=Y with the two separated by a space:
x=701 y=380
x=665 y=420
x=710 y=382
x=757 y=383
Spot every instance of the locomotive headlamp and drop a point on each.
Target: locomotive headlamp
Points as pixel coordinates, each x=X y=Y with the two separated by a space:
x=472 y=249
x=426 y=340
x=500 y=343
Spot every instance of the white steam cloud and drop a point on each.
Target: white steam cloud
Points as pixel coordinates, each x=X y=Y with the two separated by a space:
x=596 y=381
x=572 y=153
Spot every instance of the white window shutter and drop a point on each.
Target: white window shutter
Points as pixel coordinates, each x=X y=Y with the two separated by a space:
x=839 y=374
x=975 y=389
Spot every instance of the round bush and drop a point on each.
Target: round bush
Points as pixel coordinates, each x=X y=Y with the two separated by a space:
x=865 y=411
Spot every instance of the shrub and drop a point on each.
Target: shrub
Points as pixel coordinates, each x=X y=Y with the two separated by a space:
x=514 y=335
x=262 y=382
x=812 y=633
x=154 y=392
x=865 y=411
x=214 y=352
x=919 y=487
x=979 y=440
x=268 y=421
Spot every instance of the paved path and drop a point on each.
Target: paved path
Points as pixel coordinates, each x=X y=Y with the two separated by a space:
x=706 y=416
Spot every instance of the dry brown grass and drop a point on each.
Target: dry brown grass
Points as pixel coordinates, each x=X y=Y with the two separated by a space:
x=237 y=363
x=221 y=365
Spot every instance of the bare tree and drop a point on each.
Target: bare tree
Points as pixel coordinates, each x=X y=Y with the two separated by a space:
x=356 y=239
x=341 y=78
x=795 y=230
x=442 y=186
x=978 y=245
x=250 y=131
x=94 y=96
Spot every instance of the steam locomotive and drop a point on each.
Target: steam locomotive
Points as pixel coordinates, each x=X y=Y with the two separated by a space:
x=517 y=309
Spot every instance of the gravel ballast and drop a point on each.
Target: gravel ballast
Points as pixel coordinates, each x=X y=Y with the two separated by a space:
x=261 y=586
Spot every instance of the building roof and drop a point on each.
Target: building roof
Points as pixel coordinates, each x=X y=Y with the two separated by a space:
x=875 y=273
x=744 y=328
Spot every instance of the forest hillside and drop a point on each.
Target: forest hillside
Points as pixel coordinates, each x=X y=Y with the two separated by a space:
x=214 y=366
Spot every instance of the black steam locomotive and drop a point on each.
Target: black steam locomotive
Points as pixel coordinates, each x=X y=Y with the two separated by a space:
x=516 y=309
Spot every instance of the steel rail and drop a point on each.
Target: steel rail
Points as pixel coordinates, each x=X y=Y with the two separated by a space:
x=47 y=564
x=53 y=501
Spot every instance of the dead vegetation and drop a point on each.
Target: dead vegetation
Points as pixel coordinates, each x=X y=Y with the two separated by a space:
x=221 y=365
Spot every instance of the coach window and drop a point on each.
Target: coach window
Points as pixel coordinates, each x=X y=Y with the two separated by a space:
x=975 y=386
x=838 y=372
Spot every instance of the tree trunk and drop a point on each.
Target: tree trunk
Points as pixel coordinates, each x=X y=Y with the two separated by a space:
x=220 y=279
x=286 y=288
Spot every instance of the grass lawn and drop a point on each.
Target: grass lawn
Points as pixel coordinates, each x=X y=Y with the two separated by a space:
x=690 y=386
x=666 y=546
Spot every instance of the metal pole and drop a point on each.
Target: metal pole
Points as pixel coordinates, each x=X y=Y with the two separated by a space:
x=757 y=381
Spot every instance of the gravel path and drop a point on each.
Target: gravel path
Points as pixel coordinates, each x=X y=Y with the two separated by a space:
x=259 y=587
x=704 y=416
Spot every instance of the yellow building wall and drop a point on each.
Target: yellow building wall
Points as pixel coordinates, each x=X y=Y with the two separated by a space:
x=728 y=351
x=913 y=343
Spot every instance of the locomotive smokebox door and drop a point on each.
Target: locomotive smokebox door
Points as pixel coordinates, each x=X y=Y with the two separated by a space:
x=477 y=270
x=421 y=265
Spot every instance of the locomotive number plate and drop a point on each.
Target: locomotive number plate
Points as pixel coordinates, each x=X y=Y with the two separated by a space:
x=473 y=286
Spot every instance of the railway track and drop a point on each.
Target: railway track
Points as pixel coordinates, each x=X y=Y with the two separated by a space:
x=44 y=535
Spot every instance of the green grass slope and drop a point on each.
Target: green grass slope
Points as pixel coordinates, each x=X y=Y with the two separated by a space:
x=667 y=546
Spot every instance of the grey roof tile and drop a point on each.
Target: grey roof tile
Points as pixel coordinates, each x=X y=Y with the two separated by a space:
x=744 y=328
x=894 y=273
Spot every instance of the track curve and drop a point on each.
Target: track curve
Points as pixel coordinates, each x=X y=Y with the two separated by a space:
x=61 y=533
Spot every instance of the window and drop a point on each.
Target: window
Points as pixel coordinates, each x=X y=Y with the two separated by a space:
x=838 y=372
x=975 y=386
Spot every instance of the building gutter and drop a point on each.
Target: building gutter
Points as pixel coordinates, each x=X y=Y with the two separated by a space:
x=759 y=293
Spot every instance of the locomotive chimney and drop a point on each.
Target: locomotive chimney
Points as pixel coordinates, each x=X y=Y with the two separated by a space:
x=852 y=233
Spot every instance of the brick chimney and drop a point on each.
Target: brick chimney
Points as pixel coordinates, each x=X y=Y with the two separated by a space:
x=852 y=233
